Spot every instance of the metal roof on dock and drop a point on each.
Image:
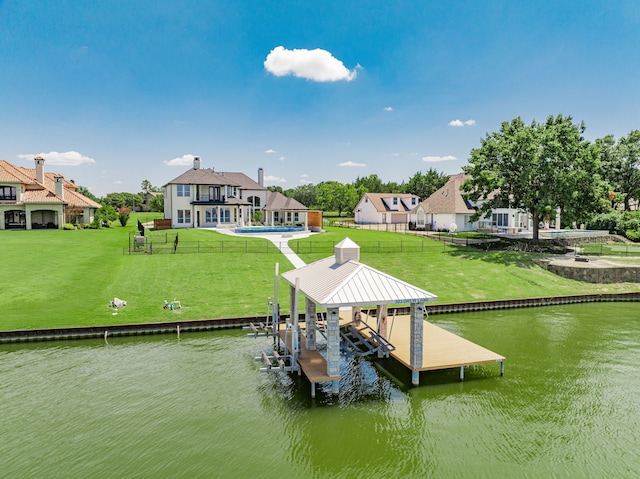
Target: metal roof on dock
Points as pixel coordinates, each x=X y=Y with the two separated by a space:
x=341 y=280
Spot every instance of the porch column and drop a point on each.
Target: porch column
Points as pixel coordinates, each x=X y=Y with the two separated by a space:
x=310 y=323
x=333 y=344
x=292 y=298
x=382 y=324
x=416 y=311
x=27 y=218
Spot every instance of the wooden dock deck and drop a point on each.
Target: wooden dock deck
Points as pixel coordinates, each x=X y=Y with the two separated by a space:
x=441 y=349
x=312 y=363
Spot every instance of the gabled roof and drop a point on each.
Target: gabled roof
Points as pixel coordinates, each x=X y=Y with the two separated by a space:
x=207 y=176
x=377 y=200
x=448 y=199
x=329 y=284
x=278 y=202
x=38 y=193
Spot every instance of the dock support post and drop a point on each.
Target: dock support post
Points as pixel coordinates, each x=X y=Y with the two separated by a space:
x=313 y=390
x=310 y=324
x=333 y=344
x=335 y=387
x=502 y=368
x=415 y=378
x=416 y=312
x=461 y=373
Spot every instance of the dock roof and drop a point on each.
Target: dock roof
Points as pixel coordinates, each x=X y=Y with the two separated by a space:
x=329 y=284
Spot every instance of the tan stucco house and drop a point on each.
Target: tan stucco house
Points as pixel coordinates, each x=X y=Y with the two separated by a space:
x=31 y=198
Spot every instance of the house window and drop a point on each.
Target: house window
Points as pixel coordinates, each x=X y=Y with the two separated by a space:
x=500 y=219
x=413 y=201
x=184 y=190
x=8 y=193
x=184 y=216
x=395 y=201
x=366 y=199
x=254 y=200
x=295 y=217
x=225 y=215
x=276 y=217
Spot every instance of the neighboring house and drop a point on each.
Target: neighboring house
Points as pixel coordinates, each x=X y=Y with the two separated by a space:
x=202 y=197
x=448 y=206
x=380 y=208
x=445 y=207
x=148 y=196
x=30 y=198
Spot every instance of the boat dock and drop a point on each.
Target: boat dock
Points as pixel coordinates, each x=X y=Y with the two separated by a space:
x=441 y=348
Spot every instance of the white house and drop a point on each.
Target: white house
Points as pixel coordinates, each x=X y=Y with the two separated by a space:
x=31 y=198
x=202 y=197
x=448 y=206
x=445 y=207
x=381 y=208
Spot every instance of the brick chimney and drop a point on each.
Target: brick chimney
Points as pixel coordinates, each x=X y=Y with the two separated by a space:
x=196 y=162
x=39 y=169
x=59 y=180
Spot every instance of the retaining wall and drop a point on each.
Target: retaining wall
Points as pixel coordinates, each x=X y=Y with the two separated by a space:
x=171 y=327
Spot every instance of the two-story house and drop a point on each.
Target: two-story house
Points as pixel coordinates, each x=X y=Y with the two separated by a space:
x=202 y=197
x=31 y=198
x=381 y=208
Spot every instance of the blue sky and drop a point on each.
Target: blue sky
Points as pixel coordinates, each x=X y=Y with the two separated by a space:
x=115 y=92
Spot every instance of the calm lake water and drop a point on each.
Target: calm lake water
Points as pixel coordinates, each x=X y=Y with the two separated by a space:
x=197 y=407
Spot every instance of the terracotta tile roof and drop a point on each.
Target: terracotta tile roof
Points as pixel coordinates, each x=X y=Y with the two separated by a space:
x=278 y=201
x=38 y=193
x=449 y=199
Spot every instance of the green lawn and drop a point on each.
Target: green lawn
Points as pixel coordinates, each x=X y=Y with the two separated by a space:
x=67 y=278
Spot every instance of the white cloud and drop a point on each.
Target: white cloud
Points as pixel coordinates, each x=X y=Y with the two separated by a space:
x=388 y=108
x=351 y=164
x=68 y=158
x=395 y=154
x=274 y=179
x=433 y=159
x=185 y=160
x=304 y=179
x=317 y=65
x=269 y=151
x=118 y=182
x=459 y=123
x=281 y=158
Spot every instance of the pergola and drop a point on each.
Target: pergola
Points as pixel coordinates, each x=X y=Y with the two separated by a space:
x=341 y=281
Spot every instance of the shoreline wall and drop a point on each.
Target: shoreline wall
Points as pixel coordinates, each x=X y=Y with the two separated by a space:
x=174 y=327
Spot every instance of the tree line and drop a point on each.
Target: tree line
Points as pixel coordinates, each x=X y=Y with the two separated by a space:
x=343 y=198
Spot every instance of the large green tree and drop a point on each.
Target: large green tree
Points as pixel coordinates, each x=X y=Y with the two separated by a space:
x=536 y=168
x=335 y=196
x=424 y=185
x=620 y=164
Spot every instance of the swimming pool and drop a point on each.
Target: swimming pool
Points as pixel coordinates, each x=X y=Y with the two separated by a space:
x=269 y=229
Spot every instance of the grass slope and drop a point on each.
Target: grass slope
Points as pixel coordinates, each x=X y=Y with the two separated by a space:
x=67 y=278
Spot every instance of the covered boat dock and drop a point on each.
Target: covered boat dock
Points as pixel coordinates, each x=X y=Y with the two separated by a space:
x=338 y=290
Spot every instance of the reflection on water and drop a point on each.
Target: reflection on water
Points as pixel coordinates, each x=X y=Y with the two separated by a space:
x=567 y=406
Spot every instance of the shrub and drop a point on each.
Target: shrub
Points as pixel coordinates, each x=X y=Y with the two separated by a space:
x=123 y=215
x=633 y=235
x=68 y=226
